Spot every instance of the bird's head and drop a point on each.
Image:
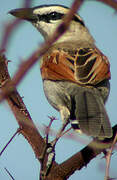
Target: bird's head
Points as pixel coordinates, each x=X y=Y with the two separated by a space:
x=46 y=18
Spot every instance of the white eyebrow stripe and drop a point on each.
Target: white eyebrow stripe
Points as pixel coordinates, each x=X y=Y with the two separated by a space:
x=46 y=10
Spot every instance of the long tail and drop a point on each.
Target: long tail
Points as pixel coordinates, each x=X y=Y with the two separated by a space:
x=91 y=116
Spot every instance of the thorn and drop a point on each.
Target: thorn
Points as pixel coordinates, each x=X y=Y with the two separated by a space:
x=9 y=61
x=52 y=118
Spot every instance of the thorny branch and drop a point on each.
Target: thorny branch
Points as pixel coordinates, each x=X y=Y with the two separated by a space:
x=27 y=127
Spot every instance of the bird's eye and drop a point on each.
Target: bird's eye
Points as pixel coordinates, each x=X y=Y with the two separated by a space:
x=55 y=16
x=50 y=16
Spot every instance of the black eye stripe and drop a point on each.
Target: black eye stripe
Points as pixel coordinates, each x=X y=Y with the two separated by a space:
x=50 y=16
x=75 y=18
x=56 y=16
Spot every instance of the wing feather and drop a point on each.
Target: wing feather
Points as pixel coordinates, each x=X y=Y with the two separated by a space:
x=56 y=67
x=86 y=66
x=95 y=68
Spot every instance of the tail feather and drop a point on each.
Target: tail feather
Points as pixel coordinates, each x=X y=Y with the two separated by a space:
x=91 y=115
x=106 y=126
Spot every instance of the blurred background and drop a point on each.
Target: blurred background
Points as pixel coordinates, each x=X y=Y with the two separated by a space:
x=19 y=158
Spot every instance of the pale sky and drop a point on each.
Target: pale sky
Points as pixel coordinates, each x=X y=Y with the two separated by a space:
x=101 y=21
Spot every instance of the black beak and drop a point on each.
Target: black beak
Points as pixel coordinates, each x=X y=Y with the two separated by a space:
x=24 y=13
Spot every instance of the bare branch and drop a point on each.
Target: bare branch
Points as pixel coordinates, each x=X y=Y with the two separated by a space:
x=82 y=158
x=8 y=29
x=27 y=127
x=111 y=3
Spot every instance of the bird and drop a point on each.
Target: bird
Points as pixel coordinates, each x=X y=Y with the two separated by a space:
x=75 y=73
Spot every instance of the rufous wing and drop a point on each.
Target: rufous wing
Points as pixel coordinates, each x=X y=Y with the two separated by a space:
x=55 y=66
x=91 y=66
x=85 y=66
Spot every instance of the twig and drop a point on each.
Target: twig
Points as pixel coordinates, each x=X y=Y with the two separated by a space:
x=111 y=3
x=9 y=141
x=47 y=131
x=27 y=3
x=108 y=158
x=10 y=27
x=8 y=30
x=9 y=173
x=65 y=132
